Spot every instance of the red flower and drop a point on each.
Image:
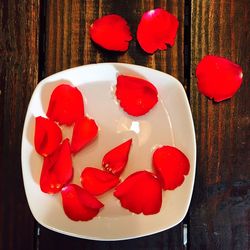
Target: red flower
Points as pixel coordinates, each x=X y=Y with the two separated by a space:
x=57 y=169
x=137 y=96
x=171 y=165
x=156 y=29
x=47 y=136
x=66 y=104
x=111 y=32
x=116 y=159
x=79 y=204
x=140 y=193
x=85 y=130
x=97 y=181
x=218 y=78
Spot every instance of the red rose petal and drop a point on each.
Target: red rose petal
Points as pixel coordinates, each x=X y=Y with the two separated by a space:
x=57 y=169
x=218 y=78
x=111 y=32
x=66 y=104
x=85 y=130
x=47 y=136
x=140 y=193
x=79 y=204
x=171 y=165
x=156 y=29
x=97 y=181
x=116 y=159
x=136 y=96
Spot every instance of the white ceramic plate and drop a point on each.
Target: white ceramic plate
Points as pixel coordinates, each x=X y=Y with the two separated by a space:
x=168 y=123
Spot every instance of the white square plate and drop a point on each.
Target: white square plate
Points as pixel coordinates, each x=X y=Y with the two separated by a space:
x=168 y=123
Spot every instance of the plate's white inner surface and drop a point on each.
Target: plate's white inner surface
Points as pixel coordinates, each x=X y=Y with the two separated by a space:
x=115 y=127
x=163 y=125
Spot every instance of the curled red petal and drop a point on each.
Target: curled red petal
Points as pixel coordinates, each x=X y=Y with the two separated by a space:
x=65 y=105
x=79 y=204
x=171 y=165
x=57 y=169
x=137 y=96
x=116 y=159
x=156 y=29
x=97 y=181
x=111 y=32
x=218 y=78
x=85 y=130
x=140 y=193
x=47 y=136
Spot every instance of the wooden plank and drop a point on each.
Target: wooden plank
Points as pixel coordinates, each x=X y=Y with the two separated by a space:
x=170 y=239
x=219 y=216
x=68 y=44
x=18 y=77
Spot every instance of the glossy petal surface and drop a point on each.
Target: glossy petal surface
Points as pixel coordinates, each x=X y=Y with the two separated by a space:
x=65 y=105
x=140 y=193
x=57 y=169
x=116 y=159
x=156 y=29
x=97 y=181
x=85 y=130
x=111 y=32
x=47 y=136
x=79 y=204
x=137 y=96
x=218 y=78
x=171 y=165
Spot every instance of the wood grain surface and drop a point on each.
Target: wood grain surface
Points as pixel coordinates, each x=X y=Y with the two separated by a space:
x=68 y=42
x=220 y=209
x=39 y=38
x=18 y=78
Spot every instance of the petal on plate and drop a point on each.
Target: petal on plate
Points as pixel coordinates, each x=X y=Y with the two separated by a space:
x=65 y=105
x=218 y=78
x=79 y=204
x=137 y=96
x=57 y=169
x=171 y=165
x=116 y=159
x=111 y=32
x=85 y=130
x=140 y=193
x=47 y=136
x=97 y=181
x=156 y=29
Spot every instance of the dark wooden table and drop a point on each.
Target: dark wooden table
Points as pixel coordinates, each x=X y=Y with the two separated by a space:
x=39 y=38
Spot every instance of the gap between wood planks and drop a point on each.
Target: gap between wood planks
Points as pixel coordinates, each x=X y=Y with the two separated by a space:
x=187 y=58
x=41 y=75
x=187 y=79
